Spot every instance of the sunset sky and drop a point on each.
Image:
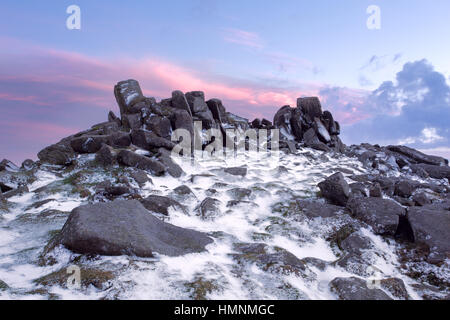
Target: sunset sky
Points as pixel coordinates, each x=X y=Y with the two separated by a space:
x=386 y=86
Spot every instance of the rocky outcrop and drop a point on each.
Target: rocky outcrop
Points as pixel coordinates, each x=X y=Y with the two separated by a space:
x=335 y=189
x=125 y=227
x=307 y=123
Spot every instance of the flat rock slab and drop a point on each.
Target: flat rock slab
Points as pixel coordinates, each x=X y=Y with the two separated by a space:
x=125 y=227
x=356 y=289
x=382 y=215
x=431 y=227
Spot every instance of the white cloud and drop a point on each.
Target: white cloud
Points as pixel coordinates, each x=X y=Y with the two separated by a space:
x=428 y=135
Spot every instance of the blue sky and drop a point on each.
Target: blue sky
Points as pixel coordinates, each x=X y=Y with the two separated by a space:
x=255 y=55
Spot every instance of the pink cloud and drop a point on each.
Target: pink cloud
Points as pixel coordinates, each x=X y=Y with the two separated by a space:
x=244 y=38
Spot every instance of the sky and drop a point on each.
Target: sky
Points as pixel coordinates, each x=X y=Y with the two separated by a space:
x=388 y=86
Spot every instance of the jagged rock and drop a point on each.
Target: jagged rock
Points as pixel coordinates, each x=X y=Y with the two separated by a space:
x=421 y=199
x=416 y=156
x=432 y=228
x=172 y=168
x=181 y=119
x=131 y=159
x=140 y=176
x=356 y=289
x=375 y=191
x=179 y=101
x=358 y=189
x=208 y=208
x=89 y=144
x=58 y=154
x=236 y=171
x=311 y=140
x=104 y=156
x=113 y=118
x=310 y=107
x=5 y=188
x=381 y=214
x=159 y=125
x=322 y=132
x=330 y=124
x=434 y=171
x=256 y=124
x=120 y=140
x=7 y=165
x=405 y=188
x=313 y=209
x=148 y=140
x=3 y=286
x=355 y=243
x=160 y=204
x=335 y=189
x=183 y=190
x=217 y=109
x=196 y=101
x=131 y=121
x=127 y=93
x=106 y=127
x=396 y=287
x=125 y=227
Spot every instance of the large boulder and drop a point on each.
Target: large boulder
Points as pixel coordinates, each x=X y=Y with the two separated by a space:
x=172 y=167
x=125 y=227
x=148 y=140
x=311 y=108
x=434 y=171
x=89 y=144
x=383 y=215
x=181 y=119
x=179 y=101
x=159 y=125
x=416 y=156
x=160 y=204
x=432 y=228
x=131 y=121
x=335 y=189
x=58 y=154
x=217 y=109
x=131 y=159
x=127 y=94
x=356 y=289
x=196 y=101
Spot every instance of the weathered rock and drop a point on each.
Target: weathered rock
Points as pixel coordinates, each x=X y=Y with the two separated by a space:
x=104 y=156
x=283 y=117
x=58 y=154
x=171 y=166
x=196 y=101
x=179 y=101
x=311 y=140
x=236 y=171
x=127 y=93
x=217 y=109
x=330 y=124
x=161 y=126
x=358 y=189
x=311 y=108
x=432 y=228
x=208 y=208
x=416 y=156
x=148 y=140
x=239 y=193
x=7 y=165
x=396 y=287
x=125 y=227
x=89 y=144
x=381 y=214
x=131 y=159
x=322 y=132
x=140 y=176
x=375 y=191
x=421 y=199
x=3 y=286
x=183 y=191
x=120 y=139
x=160 y=204
x=335 y=189
x=131 y=121
x=355 y=243
x=181 y=119
x=405 y=188
x=356 y=289
x=434 y=171
x=113 y=118
x=313 y=209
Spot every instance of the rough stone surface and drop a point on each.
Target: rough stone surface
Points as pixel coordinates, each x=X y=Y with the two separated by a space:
x=356 y=289
x=335 y=189
x=131 y=159
x=381 y=214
